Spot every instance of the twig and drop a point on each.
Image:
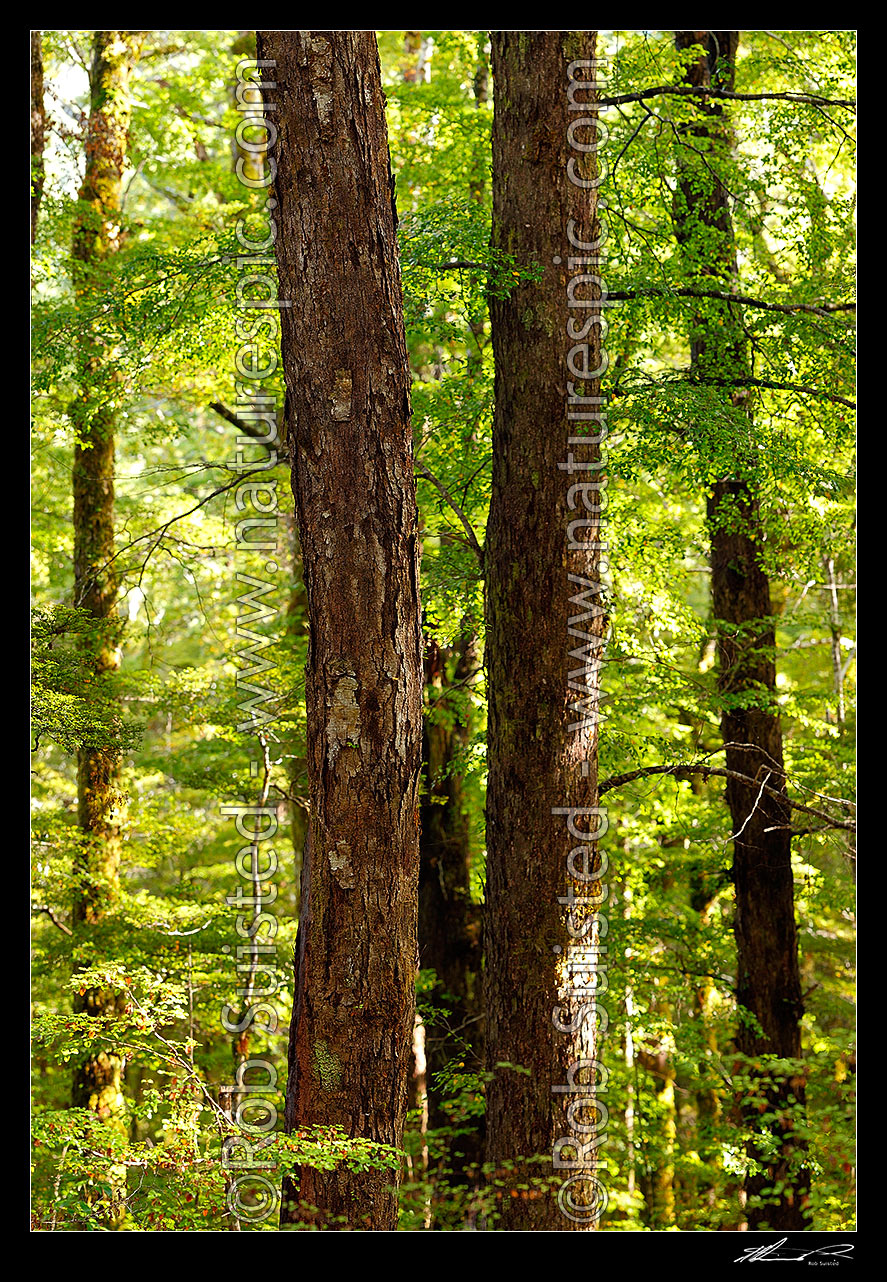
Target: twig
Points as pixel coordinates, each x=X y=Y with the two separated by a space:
x=686 y=771
x=466 y=524
x=44 y=908
x=648 y=291
x=693 y=91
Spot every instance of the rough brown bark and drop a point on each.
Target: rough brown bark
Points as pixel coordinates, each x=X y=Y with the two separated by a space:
x=97 y=1082
x=38 y=128
x=768 y=986
x=348 y=415
x=534 y=756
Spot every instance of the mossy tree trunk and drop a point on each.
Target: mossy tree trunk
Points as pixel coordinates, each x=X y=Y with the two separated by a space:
x=38 y=128
x=96 y=236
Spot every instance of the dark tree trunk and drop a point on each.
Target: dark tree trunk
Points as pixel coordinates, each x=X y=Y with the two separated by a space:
x=449 y=923
x=38 y=128
x=97 y=1082
x=348 y=414
x=768 y=986
x=536 y=748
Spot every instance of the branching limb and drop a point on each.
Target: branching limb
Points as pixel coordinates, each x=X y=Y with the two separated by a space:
x=688 y=770
x=44 y=908
x=648 y=291
x=451 y=502
x=703 y=91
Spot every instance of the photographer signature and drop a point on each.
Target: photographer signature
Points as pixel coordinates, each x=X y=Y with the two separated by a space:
x=754 y=1255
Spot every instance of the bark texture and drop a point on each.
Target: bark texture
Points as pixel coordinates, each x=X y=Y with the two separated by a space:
x=96 y=235
x=768 y=986
x=348 y=416
x=534 y=756
x=38 y=128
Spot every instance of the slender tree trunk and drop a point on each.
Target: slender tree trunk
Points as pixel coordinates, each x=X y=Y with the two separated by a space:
x=248 y=162
x=98 y=1079
x=97 y=1082
x=449 y=923
x=768 y=987
x=477 y=186
x=38 y=128
x=417 y=53
x=296 y=626
x=348 y=413
x=834 y=619
x=708 y=1102
x=660 y=1191
x=449 y=928
x=536 y=745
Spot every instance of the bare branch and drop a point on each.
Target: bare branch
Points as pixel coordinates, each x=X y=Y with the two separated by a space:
x=692 y=91
x=688 y=770
x=815 y=309
x=248 y=429
x=44 y=908
x=466 y=524
x=779 y=387
x=800 y=388
x=161 y=530
x=455 y=264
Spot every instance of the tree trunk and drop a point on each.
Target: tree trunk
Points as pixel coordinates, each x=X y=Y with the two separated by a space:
x=542 y=751
x=768 y=986
x=449 y=924
x=97 y=1082
x=659 y=1191
x=38 y=128
x=416 y=58
x=348 y=413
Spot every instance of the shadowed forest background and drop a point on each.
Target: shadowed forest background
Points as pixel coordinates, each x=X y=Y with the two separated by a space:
x=722 y=693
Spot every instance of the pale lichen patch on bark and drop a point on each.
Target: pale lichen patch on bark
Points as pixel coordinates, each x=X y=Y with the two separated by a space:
x=321 y=59
x=340 y=863
x=343 y=725
x=340 y=396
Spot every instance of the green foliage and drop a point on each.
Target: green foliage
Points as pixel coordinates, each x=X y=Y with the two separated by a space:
x=676 y=1152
